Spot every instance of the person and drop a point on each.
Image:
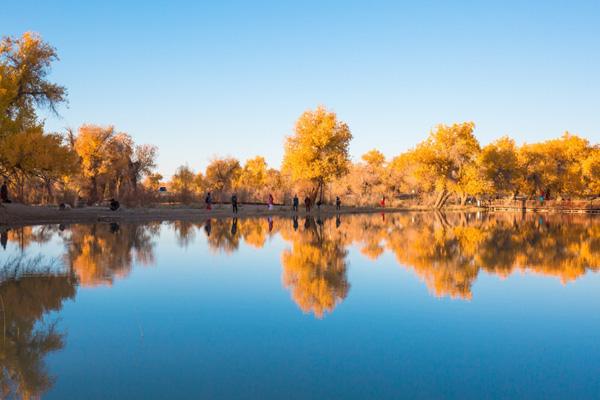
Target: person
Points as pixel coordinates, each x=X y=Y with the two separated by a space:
x=234 y=203
x=270 y=201
x=3 y=237
x=4 y=193
x=382 y=202
x=208 y=201
x=307 y=223
x=307 y=203
x=114 y=205
x=295 y=203
x=338 y=203
x=233 y=226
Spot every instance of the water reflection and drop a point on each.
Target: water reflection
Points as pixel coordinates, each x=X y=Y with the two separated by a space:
x=29 y=290
x=314 y=268
x=448 y=251
x=100 y=253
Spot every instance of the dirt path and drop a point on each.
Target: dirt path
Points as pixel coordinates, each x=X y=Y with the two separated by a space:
x=18 y=215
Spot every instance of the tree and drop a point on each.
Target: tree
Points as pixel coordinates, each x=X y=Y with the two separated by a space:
x=499 y=163
x=401 y=176
x=33 y=155
x=142 y=163
x=318 y=150
x=554 y=167
x=182 y=182
x=442 y=160
x=591 y=172
x=222 y=173
x=24 y=66
x=153 y=181
x=93 y=145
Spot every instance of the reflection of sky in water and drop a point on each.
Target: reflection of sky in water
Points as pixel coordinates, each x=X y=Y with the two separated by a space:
x=198 y=321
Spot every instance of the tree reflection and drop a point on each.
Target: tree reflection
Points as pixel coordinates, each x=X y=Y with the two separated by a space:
x=314 y=269
x=99 y=253
x=28 y=292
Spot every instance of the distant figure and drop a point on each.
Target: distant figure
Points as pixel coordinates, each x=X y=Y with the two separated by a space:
x=295 y=221
x=338 y=203
x=4 y=193
x=208 y=201
x=382 y=202
x=234 y=203
x=114 y=205
x=270 y=201
x=307 y=203
x=234 y=226
x=4 y=238
x=295 y=203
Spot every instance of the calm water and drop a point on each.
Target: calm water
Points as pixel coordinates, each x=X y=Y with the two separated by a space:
x=395 y=306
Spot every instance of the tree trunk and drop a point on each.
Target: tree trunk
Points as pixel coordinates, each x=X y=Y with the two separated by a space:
x=93 y=190
x=48 y=183
x=441 y=199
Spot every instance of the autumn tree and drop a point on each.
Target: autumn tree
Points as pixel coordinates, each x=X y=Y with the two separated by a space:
x=93 y=145
x=591 y=172
x=499 y=164
x=401 y=175
x=554 y=167
x=182 y=183
x=24 y=66
x=443 y=160
x=222 y=174
x=317 y=152
x=153 y=181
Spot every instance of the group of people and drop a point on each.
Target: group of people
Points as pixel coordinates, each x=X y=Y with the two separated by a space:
x=208 y=200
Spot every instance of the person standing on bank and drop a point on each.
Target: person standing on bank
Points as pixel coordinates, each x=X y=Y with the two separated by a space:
x=270 y=201
x=295 y=203
x=208 y=201
x=307 y=204
x=234 y=203
x=338 y=203
x=4 y=193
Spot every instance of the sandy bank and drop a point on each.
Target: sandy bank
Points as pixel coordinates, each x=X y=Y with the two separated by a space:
x=17 y=214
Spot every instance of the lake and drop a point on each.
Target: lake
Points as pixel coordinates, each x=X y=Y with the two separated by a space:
x=383 y=306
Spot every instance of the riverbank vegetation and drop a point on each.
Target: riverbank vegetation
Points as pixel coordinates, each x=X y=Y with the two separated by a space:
x=94 y=163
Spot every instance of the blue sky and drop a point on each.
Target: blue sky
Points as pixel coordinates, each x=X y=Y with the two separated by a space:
x=231 y=77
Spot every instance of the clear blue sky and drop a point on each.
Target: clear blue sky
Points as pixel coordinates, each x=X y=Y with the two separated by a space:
x=231 y=77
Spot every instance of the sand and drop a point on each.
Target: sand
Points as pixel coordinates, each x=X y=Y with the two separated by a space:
x=19 y=215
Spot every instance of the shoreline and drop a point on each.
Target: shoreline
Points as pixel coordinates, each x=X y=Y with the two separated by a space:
x=13 y=215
